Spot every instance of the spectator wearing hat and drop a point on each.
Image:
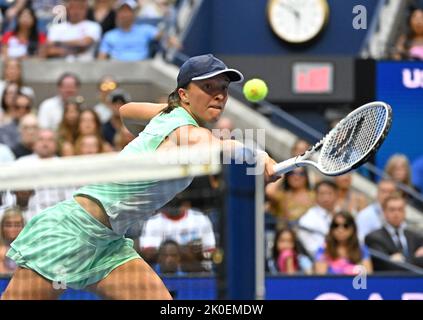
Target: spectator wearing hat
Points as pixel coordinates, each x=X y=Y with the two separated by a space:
x=129 y=41
x=118 y=98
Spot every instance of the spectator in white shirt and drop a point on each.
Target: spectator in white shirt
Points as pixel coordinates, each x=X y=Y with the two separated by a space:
x=51 y=110
x=75 y=39
x=371 y=218
x=314 y=224
x=191 y=229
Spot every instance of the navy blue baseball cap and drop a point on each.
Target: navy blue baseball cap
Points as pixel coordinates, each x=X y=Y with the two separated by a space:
x=205 y=67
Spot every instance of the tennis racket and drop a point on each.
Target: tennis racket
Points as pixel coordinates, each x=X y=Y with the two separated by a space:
x=349 y=144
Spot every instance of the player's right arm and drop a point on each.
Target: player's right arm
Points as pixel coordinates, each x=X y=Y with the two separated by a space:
x=141 y=111
x=199 y=136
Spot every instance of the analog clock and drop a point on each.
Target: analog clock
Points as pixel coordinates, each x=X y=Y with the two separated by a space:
x=297 y=21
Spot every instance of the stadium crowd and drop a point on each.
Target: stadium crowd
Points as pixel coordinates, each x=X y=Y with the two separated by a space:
x=316 y=226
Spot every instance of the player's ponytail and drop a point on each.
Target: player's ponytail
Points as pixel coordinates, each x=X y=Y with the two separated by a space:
x=173 y=101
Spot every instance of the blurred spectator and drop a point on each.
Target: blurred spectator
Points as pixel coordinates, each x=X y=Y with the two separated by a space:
x=223 y=128
x=150 y=9
x=299 y=147
x=342 y=253
x=103 y=13
x=287 y=255
x=68 y=127
x=89 y=124
x=28 y=127
x=293 y=197
x=12 y=73
x=117 y=99
x=23 y=106
x=191 y=229
x=122 y=138
x=24 y=40
x=9 y=133
x=10 y=10
x=168 y=26
x=47 y=10
x=19 y=199
x=398 y=168
x=76 y=38
x=410 y=45
x=8 y=101
x=129 y=41
x=107 y=84
x=394 y=239
x=348 y=199
x=11 y=225
x=45 y=147
x=314 y=224
x=169 y=258
x=51 y=110
x=6 y=155
x=88 y=144
x=371 y=217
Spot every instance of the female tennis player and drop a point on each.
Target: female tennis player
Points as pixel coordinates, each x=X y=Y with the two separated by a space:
x=80 y=243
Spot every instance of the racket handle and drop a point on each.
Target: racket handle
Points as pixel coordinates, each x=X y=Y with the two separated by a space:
x=285 y=166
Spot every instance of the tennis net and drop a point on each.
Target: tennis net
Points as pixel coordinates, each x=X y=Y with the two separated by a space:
x=180 y=239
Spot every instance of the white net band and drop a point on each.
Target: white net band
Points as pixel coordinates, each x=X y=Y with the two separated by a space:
x=80 y=170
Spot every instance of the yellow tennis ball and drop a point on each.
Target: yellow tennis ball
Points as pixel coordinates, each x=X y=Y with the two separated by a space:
x=255 y=90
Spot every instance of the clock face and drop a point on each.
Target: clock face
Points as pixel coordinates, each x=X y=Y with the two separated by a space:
x=297 y=21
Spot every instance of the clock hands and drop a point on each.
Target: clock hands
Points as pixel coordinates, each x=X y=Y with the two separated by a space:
x=297 y=21
x=294 y=11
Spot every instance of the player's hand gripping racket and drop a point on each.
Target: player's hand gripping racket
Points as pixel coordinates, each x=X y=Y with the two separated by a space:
x=349 y=144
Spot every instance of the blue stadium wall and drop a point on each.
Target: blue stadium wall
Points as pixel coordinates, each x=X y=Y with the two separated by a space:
x=291 y=288
x=240 y=27
x=401 y=85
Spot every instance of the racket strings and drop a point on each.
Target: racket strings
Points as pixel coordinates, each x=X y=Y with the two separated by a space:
x=353 y=138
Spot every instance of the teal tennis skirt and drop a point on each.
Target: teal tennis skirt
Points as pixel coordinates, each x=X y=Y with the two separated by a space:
x=65 y=244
